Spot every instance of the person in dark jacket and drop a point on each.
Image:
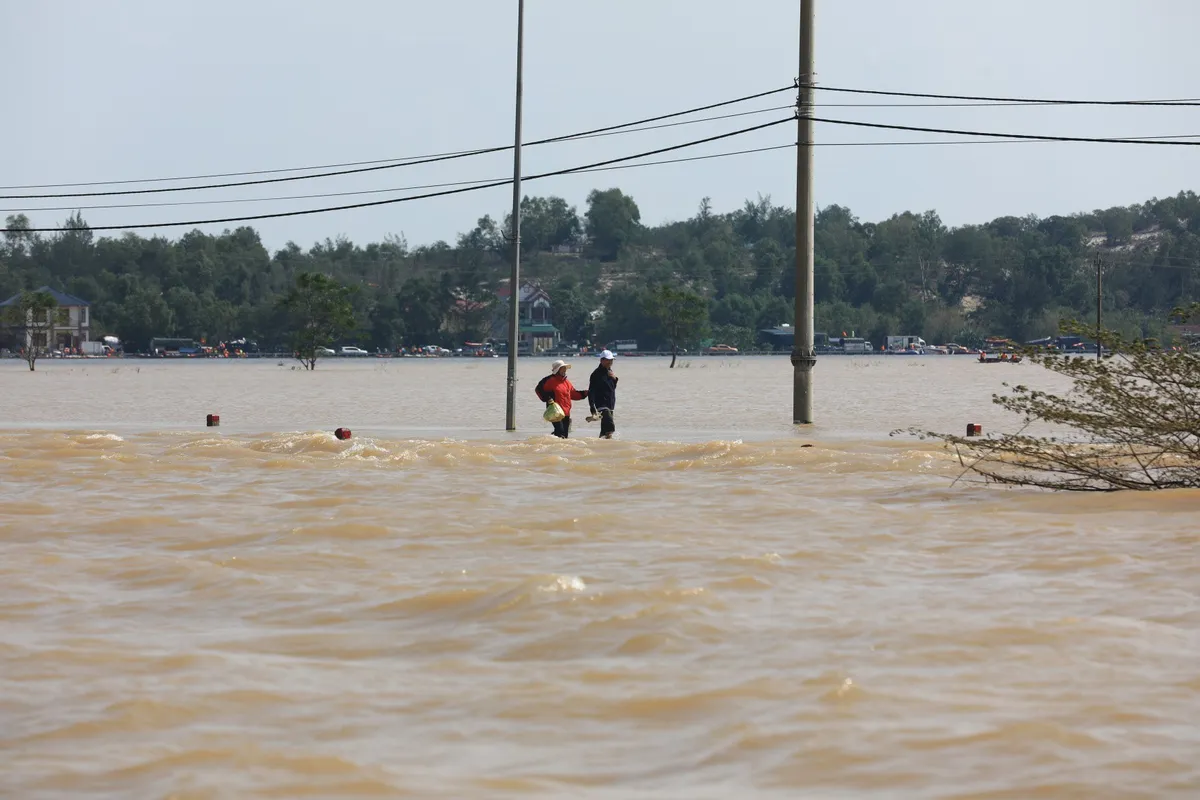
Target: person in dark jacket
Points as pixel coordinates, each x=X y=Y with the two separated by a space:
x=602 y=394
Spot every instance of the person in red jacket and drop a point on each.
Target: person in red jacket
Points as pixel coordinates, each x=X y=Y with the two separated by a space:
x=556 y=388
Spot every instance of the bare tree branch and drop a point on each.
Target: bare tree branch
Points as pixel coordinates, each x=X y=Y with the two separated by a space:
x=1130 y=422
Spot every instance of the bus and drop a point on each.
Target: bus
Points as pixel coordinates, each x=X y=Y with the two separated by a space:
x=173 y=347
x=854 y=344
x=624 y=346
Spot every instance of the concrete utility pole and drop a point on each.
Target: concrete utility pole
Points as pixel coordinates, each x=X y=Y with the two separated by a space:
x=804 y=357
x=1099 y=306
x=514 y=284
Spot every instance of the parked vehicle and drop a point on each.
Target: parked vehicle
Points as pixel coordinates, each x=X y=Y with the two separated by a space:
x=906 y=344
x=562 y=349
x=163 y=347
x=722 y=350
x=357 y=352
x=475 y=349
x=855 y=345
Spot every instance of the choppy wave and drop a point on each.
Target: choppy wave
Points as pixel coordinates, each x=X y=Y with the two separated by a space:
x=536 y=453
x=284 y=614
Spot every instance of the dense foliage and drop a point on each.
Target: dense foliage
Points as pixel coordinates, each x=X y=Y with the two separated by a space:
x=681 y=315
x=318 y=310
x=910 y=274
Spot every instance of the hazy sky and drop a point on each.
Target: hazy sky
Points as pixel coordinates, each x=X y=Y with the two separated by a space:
x=121 y=89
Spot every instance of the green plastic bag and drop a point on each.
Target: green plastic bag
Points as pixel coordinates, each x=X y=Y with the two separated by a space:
x=554 y=413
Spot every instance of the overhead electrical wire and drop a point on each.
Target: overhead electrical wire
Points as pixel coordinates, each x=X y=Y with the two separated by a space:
x=974 y=101
x=997 y=104
x=420 y=187
x=1183 y=102
x=393 y=189
x=460 y=190
x=1175 y=141
x=612 y=164
x=374 y=166
x=412 y=159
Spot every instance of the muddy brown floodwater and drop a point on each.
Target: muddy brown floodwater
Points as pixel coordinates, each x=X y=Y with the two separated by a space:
x=702 y=608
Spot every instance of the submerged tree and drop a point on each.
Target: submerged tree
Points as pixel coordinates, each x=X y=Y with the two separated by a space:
x=319 y=311
x=33 y=316
x=1130 y=421
x=681 y=314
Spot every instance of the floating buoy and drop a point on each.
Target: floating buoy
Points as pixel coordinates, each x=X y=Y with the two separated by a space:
x=974 y=430
x=213 y=420
x=342 y=433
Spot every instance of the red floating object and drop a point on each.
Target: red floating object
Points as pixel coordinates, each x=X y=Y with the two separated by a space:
x=342 y=433
x=213 y=420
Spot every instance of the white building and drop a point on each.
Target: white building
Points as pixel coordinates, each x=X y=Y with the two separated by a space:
x=68 y=325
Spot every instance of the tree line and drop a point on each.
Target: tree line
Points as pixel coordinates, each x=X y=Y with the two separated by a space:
x=610 y=276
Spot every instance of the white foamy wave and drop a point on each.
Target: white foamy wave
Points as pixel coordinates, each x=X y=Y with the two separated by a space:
x=566 y=583
x=108 y=437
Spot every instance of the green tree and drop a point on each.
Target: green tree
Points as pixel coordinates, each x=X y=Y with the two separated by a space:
x=32 y=316
x=387 y=324
x=571 y=315
x=142 y=314
x=472 y=315
x=1013 y=276
x=613 y=221
x=320 y=310
x=625 y=316
x=486 y=239
x=682 y=315
x=17 y=236
x=423 y=307
x=546 y=222
x=769 y=264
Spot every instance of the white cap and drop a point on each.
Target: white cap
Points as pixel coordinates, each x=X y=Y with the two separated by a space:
x=607 y=356
x=557 y=365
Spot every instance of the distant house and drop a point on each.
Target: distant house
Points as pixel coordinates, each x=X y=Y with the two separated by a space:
x=536 y=329
x=69 y=325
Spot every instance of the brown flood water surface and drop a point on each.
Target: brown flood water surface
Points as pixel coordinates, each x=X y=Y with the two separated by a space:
x=702 y=608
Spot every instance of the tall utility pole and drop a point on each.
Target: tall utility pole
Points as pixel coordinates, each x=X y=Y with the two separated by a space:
x=804 y=357
x=1099 y=305
x=514 y=283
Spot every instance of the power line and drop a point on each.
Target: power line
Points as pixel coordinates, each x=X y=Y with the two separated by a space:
x=1032 y=140
x=980 y=101
x=376 y=191
x=394 y=189
x=1183 y=102
x=421 y=187
x=395 y=161
x=997 y=104
x=374 y=166
x=443 y=193
x=1175 y=141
